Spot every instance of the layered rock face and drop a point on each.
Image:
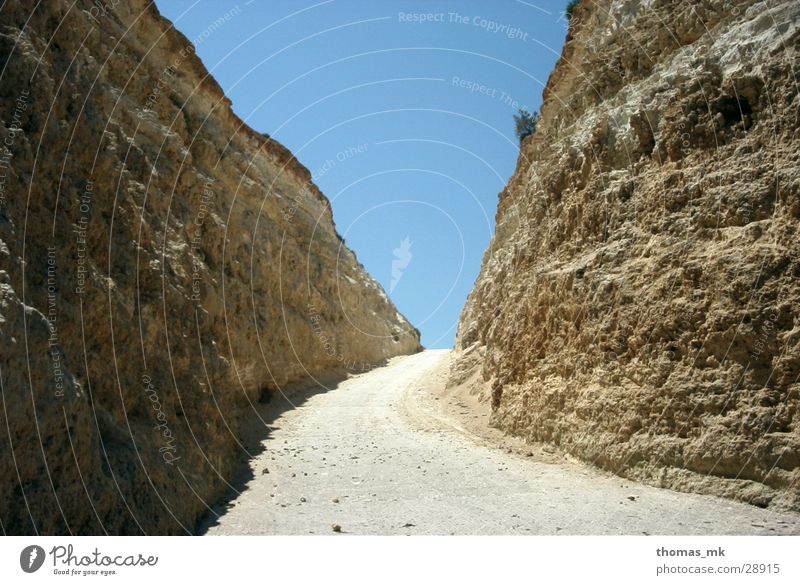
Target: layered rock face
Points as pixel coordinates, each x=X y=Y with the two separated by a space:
x=639 y=305
x=163 y=268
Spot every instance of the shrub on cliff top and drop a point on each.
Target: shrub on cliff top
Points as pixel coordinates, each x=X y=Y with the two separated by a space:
x=525 y=123
x=570 y=8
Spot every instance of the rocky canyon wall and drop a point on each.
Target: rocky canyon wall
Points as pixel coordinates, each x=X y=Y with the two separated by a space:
x=163 y=268
x=639 y=305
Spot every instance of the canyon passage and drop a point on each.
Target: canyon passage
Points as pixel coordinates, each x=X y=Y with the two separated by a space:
x=188 y=344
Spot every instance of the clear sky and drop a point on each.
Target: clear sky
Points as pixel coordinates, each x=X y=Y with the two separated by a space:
x=402 y=110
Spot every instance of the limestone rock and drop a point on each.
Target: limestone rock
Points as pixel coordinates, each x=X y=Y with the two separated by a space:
x=163 y=269
x=639 y=305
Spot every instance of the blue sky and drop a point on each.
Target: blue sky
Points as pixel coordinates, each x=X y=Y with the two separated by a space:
x=403 y=113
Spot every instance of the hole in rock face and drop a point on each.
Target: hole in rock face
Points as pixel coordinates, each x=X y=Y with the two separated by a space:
x=733 y=109
x=497 y=395
x=265 y=396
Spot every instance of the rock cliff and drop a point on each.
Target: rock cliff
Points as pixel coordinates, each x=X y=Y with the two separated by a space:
x=639 y=305
x=163 y=269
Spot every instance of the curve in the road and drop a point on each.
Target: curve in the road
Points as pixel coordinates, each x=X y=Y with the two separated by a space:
x=349 y=460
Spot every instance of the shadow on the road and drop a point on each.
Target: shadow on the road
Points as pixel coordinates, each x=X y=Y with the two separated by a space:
x=255 y=427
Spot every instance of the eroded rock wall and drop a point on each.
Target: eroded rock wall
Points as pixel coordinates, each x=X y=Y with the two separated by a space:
x=163 y=267
x=639 y=305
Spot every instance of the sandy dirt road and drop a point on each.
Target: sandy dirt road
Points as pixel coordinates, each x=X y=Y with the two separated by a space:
x=371 y=456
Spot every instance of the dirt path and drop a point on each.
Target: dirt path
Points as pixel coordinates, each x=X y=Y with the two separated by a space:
x=376 y=456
